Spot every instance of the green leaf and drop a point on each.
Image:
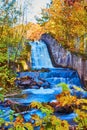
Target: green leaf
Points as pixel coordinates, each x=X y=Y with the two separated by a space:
x=28 y=126
x=18 y=127
x=64 y=86
x=2 y=121
x=2 y=97
x=11 y=129
x=11 y=117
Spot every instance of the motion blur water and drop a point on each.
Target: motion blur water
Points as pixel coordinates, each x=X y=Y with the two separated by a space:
x=39 y=55
x=40 y=59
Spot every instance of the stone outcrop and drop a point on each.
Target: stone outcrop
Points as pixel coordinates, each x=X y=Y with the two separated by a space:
x=62 y=57
x=29 y=82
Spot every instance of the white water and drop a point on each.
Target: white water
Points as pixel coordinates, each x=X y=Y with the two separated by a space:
x=39 y=55
x=43 y=91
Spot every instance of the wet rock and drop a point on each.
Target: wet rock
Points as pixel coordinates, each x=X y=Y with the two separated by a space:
x=44 y=70
x=44 y=83
x=35 y=87
x=33 y=83
x=65 y=109
x=62 y=109
x=72 y=127
x=27 y=82
x=23 y=81
x=17 y=107
x=9 y=102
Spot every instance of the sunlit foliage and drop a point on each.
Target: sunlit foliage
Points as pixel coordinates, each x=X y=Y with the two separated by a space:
x=34 y=31
x=81 y=120
x=9 y=39
x=67 y=21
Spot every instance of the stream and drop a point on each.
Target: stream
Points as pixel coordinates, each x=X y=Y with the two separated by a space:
x=40 y=59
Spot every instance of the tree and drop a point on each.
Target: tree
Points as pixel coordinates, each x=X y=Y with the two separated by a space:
x=67 y=21
x=8 y=38
x=34 y=31
x=8 y=18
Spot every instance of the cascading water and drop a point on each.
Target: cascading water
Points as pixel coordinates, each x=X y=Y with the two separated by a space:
x=39 y=55
x=40 y=59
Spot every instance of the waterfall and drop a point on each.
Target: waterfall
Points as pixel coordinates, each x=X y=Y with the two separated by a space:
x=40 y=56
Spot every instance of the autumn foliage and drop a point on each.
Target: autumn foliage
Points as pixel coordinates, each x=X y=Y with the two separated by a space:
x=67 y=22
x=34 y=31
